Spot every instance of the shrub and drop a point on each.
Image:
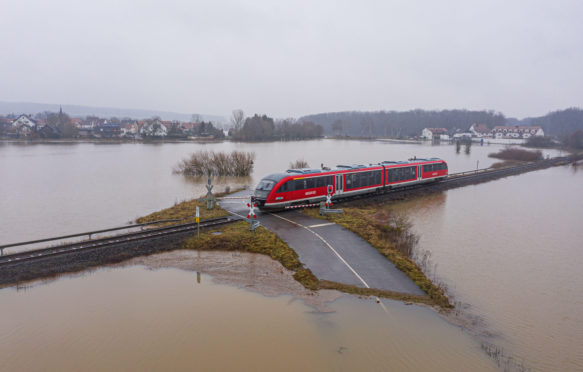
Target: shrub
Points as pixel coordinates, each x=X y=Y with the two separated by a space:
x=517 y=154
x=210 y=163
x=298 y=164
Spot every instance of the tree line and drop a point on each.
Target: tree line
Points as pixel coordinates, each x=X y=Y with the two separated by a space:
x=562 y=123
x=400 y=124
x=264 y=128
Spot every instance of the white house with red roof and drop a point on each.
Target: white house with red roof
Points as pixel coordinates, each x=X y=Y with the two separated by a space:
x=435 y=134
x=517 y=132
x=480 y=131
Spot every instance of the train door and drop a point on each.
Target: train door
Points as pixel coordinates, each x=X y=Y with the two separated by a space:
x=339 y=184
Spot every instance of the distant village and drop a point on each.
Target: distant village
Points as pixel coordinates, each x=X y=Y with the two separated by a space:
x=60 y=125
x=516 y=133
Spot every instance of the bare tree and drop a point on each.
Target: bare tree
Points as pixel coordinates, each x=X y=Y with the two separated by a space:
x=238 y=119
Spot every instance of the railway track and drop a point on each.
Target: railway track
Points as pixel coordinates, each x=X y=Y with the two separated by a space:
x=93 y=244
x=466 y=177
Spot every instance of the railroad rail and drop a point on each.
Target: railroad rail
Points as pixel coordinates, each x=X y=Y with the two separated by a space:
x=457 y=178
x=93 y=244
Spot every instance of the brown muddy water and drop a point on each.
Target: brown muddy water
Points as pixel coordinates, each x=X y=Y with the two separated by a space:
x=508 y=250
x=147 y=317
x=511 y=251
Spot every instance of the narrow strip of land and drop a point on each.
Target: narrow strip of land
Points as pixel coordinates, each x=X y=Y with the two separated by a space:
x=333 y=253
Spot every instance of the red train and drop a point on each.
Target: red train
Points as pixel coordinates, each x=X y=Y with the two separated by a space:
x=306 y=186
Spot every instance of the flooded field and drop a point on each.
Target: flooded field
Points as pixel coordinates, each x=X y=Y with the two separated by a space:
x=508 y=251
x=511 y=250
x=68 y=188
x=132 y=317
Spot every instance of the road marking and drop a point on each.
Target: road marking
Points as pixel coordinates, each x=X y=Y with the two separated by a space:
x=328 y=245
x=336 y=253
x=322 y=225
x=378 y=300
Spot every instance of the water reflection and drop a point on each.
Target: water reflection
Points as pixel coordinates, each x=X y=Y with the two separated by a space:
x=511 y=249
x=143 y=319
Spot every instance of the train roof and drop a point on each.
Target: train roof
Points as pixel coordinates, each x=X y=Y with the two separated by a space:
x=301 y=171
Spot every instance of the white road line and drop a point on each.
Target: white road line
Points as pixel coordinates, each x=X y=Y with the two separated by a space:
x=322 y=225
x=336 y=253
x=328 y=245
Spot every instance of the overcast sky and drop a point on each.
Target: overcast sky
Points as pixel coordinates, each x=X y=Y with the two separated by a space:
x=290 y=58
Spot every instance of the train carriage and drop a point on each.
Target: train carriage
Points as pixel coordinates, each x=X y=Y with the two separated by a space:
x=297 y=187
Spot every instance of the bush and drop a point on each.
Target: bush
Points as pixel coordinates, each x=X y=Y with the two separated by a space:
x=299 y=164
x=517 y=154
x=210 y=163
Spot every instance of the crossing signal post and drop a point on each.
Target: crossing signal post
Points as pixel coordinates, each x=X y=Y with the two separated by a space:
x=251 y=216
x=325 y=207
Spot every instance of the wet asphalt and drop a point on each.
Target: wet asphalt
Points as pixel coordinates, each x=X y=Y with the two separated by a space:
x=330 y=251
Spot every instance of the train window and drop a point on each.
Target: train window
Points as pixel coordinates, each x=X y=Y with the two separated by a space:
x=299 y=185
x=265 y=185
x=284 y=187
x=310 y=183
x=348 y=181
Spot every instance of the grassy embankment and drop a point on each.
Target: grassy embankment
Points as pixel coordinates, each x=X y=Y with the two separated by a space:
x=235 y=237
x=514 y=156
x=393 y=241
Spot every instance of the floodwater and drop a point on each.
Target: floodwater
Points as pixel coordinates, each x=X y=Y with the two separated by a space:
x=59 y=189
x=512 y=252
x=132 y=318
x=506 y=249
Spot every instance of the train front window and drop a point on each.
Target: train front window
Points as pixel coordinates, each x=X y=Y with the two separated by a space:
x=265 y=185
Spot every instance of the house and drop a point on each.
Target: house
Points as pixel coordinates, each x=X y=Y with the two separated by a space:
x=107 y=129
x=24 y=120
x=129 y=128
x=24 y=126
x=435 y=134
x=154 y=128
x=480 y=131
x=517 y=132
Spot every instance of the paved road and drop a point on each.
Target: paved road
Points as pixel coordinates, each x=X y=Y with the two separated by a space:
x=329 y=250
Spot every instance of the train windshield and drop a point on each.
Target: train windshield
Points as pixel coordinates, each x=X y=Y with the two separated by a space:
x=265 y=185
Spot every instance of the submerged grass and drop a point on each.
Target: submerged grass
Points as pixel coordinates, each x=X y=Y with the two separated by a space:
x=238 y=237
x=388 y=240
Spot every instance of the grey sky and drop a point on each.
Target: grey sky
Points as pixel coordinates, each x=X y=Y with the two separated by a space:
x=290 y=58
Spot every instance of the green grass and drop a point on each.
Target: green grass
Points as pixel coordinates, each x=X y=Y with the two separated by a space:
x=185 y=211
